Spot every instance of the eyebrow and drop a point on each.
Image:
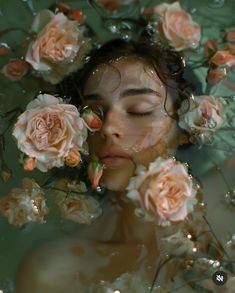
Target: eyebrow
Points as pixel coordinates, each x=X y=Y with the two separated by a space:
x=140 y=91
x=125 y=93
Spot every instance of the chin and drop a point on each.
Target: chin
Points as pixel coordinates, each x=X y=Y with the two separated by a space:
x=117 y=179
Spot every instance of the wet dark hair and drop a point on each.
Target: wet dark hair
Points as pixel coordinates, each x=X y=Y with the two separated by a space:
x=167 y=63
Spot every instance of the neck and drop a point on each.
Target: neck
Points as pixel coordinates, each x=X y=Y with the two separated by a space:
x=129 y=227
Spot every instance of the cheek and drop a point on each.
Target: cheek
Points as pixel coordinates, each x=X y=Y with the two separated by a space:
x=152 y=133
x=154 y=143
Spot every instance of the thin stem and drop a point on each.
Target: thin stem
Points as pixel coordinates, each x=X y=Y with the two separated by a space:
x=221 y=173
x=157 y=272
x=63 y=190
x=214 y=235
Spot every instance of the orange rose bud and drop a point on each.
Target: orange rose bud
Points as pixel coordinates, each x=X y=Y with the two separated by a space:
x=230 y=36
x=109 y=5
x=92 y=120
x=15 y=69
x=216 y=75
x=5 y=51
x=95 y=171
x=76 y=14
x=148 y=12
x=6 y=175
x=73 y=158
x=30 y=164
x=223 y=57
x=210 y=48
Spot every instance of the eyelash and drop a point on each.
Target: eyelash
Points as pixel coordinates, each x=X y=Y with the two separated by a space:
x=140 y=114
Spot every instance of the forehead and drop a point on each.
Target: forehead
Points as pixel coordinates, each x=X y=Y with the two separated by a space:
x=123 y=72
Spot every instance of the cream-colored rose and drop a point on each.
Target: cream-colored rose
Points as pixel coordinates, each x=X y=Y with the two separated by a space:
x=204 y=117
x=177 y=26
x=80 y=208
x=15 y=69
x=177 y=244
x=59 y=48
x=164 y=190
x=48 y=129
x=24 y=205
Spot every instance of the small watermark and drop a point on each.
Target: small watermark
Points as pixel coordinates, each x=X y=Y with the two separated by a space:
x=219 y=278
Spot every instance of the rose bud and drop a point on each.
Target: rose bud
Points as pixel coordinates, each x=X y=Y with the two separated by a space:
x=95 y=171
x=92 y=120
x=15 y=69
x=5 y=51
x=216 y=75
x=73 y=158
x=230 y=36
x=30 y=164
x=6 y=175
x=76 y=14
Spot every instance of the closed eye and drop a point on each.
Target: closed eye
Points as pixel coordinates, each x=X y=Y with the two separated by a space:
x=140 y=113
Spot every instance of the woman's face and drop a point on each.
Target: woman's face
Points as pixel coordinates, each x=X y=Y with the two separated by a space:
x=136 y=127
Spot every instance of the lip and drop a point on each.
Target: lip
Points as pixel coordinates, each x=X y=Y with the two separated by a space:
x=113 y=158
x=114 y=162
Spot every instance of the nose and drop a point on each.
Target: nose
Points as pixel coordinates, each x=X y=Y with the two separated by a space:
x=112 y=126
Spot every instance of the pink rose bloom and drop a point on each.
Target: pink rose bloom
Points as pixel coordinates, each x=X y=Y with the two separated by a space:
x=24 y=205
x=15 y=69
x=177 y=26
x=48 y=130
x=59 y=48
x=165 y=190
x=203 y=118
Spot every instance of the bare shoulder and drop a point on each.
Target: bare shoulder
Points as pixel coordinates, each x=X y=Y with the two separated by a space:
x=52 y=267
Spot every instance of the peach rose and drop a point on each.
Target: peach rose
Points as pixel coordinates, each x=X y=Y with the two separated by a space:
x=164 y=190
x=48 y=130
x=177 y=26
x=24 y=205
x=204 y=117
x=59 y=48
x=73 y=158
x=15 y=69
